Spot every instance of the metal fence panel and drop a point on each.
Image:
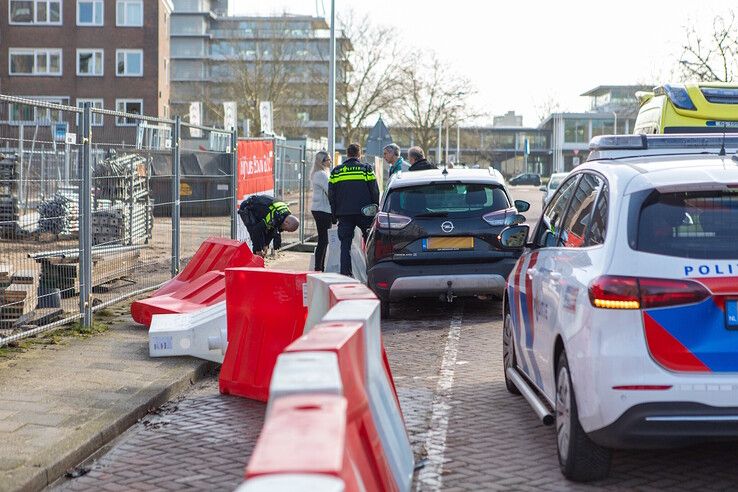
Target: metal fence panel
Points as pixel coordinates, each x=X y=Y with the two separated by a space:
x=130 y=197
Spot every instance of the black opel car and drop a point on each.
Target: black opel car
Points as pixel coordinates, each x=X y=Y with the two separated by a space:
x=436 y=235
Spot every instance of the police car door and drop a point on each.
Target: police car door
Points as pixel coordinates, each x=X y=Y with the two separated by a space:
x=566 y=275
x=539 y=294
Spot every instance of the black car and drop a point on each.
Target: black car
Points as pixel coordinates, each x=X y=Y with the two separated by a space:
x=436 y=235
x=526 y=179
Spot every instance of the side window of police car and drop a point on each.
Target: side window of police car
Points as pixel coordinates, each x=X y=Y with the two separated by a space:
x=550 y=222
x=577 y=220
x=598 y=227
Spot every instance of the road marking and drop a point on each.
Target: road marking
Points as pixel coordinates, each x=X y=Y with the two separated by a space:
x=430 y=476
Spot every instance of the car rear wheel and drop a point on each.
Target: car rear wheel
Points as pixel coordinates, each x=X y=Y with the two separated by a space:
x=581 y=460
x=508 y=353
x=384 y=309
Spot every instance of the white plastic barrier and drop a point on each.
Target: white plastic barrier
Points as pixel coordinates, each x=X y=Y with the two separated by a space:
x=201 y=334
x=292 y=482
x=305 y=372
x=358 y=257
x=385 y=411
x=319 y=296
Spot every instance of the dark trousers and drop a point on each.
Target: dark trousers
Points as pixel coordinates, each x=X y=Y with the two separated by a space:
x=346 y=226
x=323 y=223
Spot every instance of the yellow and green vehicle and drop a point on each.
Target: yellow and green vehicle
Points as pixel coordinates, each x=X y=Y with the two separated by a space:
x=704 y=107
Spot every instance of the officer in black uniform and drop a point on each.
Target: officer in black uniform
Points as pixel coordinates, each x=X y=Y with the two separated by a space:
x=354 y=196
x=265 y=218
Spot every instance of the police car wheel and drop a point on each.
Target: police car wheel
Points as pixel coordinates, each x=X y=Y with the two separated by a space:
x=508 y=353
x=580 y=459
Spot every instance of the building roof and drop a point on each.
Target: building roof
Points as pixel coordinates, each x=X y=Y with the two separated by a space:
x=601 y=90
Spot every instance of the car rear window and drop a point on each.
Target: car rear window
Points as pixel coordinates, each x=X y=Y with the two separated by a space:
x=690 y=224
x=450 y=199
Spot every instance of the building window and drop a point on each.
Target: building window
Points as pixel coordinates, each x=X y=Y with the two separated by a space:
x=576 y=131
x=90 y=63
x=129 y=63
x=35 y=61
x=27 y=114
x=97 y=118
x=35 y=11
x=129 y=13
x=90 y=12
x=131 y=106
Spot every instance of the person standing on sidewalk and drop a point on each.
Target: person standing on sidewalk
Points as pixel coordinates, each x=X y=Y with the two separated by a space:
x=321 y=206
x=394 y=159
x=416 y=156
x=354 y=197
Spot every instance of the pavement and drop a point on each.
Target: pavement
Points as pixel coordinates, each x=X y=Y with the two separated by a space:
x=61 y=402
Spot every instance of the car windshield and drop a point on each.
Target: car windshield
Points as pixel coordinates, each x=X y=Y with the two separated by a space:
x=690 y=225
x=446 y=200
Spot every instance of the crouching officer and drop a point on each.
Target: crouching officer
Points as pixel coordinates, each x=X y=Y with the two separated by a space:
x=354 y=196
x=265 y=219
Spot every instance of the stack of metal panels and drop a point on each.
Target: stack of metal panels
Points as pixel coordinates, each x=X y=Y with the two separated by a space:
x=60 y=213
x=9 y=211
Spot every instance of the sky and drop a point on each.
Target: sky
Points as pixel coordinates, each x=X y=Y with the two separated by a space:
x=520 y=54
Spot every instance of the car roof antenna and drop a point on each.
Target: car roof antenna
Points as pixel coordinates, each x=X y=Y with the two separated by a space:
x=722 y=146
x=445 y=169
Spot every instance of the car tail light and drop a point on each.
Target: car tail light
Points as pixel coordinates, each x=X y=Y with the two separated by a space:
x=500 y=217
x=615 y=292
x=386 y=220
x=382 y=247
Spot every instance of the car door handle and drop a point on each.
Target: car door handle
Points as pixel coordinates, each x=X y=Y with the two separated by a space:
x=531 y=272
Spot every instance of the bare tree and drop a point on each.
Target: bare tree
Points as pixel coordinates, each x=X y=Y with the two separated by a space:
x=712 y=57
x=547 y=107
x=373 y=81
x=436 y=95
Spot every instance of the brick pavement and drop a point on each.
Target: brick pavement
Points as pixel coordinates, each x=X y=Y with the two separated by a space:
x=494 y=441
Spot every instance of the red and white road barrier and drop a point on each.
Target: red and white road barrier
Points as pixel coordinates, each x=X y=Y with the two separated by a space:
x=201 y=334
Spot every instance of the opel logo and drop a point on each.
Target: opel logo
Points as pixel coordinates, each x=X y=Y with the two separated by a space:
x=447 y=226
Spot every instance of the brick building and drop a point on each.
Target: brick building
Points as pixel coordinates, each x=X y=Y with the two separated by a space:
x=112 y=53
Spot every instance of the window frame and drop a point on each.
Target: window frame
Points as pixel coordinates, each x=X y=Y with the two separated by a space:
x=125 y=101
x=95 y=5
x=603 y=193
x=541 y=222
x=35 y=52
x=94 y=51
x=61 y=100
x=126 y=52
x=95 y=121
x=35 y=22
x=125 y=22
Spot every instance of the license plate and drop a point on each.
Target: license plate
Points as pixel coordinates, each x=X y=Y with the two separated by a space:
x=448 y=243
x=731 y=314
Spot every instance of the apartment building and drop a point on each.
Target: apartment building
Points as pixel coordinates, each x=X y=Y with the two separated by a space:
x=111 y=53
x=217 y=58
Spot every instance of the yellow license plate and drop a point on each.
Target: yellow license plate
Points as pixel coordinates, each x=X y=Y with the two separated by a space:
x=448 y=243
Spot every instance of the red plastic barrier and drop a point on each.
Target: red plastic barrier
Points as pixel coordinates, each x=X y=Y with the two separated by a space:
x=204 y=291
x=362 y=440
x=349 y=292
x=214 y=254
x=305 y=434
x=265 y=313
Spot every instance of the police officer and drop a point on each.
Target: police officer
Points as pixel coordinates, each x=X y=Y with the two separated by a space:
x=354 y=195
x=265 y=218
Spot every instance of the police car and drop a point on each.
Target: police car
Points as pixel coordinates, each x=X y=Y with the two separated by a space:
x=621 y=315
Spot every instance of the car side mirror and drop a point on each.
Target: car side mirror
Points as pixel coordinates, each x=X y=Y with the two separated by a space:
x=522 y=205
x=543 y=188
x=514 y=237
x=514 y=219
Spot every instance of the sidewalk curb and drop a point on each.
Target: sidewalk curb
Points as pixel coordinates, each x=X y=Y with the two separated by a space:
x=100 y=431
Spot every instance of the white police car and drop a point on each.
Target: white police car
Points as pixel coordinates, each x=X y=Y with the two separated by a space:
x=621 y=315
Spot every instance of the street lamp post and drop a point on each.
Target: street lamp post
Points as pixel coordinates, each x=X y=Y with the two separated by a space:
x=615 y=123
x=332 y=85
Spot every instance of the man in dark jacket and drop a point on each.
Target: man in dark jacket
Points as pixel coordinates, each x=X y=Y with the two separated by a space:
x=416 y=156
x=352 y=189
x=265 y=219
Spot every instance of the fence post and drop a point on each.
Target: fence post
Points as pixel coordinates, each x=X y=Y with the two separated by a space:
x=175 y=196
x=85 y=218
x=303 y=195
x=234 y=183
x=130 y=210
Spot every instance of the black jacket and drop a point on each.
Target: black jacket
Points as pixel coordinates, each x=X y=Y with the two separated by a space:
x=263 y=217
x=421 y=165
x=351 y=187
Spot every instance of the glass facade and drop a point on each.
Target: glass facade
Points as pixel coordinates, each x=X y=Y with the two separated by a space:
x=576 y=130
